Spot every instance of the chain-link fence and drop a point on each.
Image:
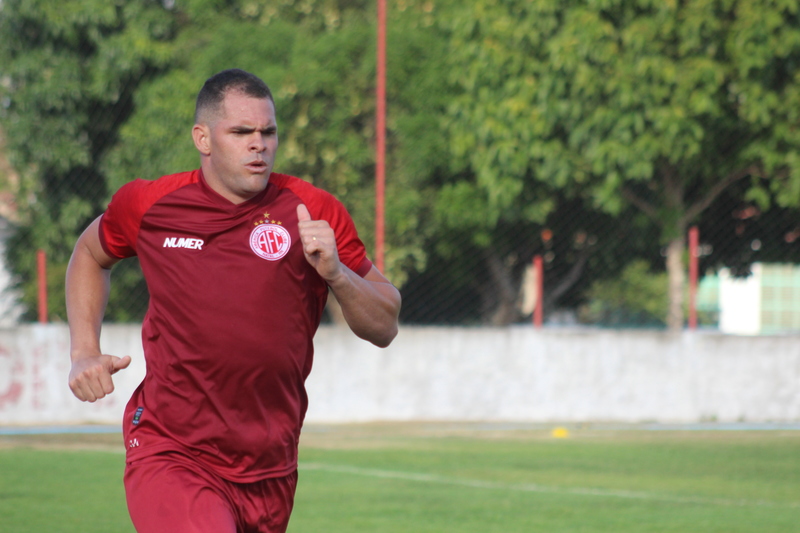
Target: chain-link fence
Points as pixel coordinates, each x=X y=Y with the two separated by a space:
x=503 y=147
x=612 y=271
x=598 y=269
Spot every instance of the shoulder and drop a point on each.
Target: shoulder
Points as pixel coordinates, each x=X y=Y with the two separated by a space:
x=298 y=186
x=155 y=189
x=139 y=195
x=119 y=226
x=318 y=201
x=322 y=205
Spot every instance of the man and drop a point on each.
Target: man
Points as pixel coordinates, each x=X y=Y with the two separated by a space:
x=238 y=262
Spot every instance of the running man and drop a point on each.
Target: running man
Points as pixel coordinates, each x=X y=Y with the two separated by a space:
x=238 y=261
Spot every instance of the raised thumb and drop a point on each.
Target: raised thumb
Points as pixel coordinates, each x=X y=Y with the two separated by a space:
x=302 y=213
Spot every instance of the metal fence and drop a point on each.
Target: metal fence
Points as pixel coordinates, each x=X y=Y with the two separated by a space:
x=606 y=271
x=594 y=269
x=599 y=266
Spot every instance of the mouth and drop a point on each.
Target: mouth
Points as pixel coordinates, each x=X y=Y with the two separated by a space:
x=257 y=166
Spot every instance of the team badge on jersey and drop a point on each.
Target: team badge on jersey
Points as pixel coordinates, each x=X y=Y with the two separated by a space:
x=270 y=241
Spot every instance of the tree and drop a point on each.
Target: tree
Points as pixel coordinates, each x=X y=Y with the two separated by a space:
x=97 y=94
x=661 y=105
x=319 y=59
x=478 y=273
x=69 y=70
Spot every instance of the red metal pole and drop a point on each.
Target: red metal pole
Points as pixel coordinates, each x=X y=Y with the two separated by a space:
x=380 y=125
x=694 y=274
x=538 y=310
x=41 y=263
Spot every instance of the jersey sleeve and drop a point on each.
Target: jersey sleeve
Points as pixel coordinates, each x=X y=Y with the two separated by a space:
x=324 y=206
x=352 y=252
x=119 y=226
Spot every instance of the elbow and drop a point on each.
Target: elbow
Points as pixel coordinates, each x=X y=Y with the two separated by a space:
x=378 y=325
x=379 y=336
x=390 y=330
x=385 y=338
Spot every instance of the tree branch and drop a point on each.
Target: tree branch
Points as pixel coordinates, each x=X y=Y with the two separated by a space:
x=719 y=187
x=570 y=279
x=639 y=202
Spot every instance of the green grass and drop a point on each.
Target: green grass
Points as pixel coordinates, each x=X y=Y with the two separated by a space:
x=429 y=478
x=62 y=491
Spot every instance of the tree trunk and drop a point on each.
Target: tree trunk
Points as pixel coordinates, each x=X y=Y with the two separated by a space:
x=677 y=280
x=499 y=295
x=675 y=222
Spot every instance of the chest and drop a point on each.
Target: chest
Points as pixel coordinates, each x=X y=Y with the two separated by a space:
x=189 y=245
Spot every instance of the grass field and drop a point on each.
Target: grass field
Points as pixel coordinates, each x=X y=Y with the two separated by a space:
x=455 y=478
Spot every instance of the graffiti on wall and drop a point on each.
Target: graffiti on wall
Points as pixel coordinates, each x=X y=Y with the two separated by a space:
x=11 y=377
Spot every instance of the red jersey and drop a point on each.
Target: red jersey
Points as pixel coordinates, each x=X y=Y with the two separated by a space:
x=234 y=306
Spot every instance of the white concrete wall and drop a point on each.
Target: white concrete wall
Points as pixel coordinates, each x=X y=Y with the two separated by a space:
x=479 y=374
x=34 y=365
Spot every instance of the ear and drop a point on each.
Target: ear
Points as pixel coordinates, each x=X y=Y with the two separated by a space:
x=202 y=138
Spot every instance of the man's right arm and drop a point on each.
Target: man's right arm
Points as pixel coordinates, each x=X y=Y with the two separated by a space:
x=87 y=288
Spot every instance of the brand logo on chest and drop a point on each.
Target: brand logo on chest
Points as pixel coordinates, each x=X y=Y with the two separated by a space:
x=269 y=239
x=183 y=242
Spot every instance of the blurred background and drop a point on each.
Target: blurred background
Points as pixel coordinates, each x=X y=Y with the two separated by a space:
x=594 y=134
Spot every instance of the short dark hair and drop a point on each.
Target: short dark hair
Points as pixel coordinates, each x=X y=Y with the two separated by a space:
x=217 y=86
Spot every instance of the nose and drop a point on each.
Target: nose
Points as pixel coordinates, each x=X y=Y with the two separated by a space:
x=257 y=143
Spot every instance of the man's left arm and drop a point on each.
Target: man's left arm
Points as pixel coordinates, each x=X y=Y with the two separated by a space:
x=371 y=305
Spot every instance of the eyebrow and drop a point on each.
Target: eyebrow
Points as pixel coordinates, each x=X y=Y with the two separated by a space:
x=248 y=129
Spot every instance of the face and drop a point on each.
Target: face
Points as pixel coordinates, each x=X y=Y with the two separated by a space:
x=237 y=147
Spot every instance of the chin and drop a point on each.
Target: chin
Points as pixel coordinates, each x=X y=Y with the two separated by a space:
x=258 y=184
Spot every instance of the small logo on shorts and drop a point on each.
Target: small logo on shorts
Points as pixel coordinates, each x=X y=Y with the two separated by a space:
x=138 y=415
x=133 y=443
x=270 y=241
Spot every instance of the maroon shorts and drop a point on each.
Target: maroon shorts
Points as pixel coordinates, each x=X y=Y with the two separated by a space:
x=171 y=493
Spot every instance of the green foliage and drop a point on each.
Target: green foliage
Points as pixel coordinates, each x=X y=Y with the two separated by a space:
x=319 y=59
x=97 y=94
x=69 y=69
x=659 y=105
x=616 y=93
x=499 y=115
x=637 y=298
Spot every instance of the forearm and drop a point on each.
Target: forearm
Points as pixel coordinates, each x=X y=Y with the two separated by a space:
x=87 y=289
x=370 y=306
x=88 y=284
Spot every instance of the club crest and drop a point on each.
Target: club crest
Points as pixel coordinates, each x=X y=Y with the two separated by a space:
x=270 y=241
